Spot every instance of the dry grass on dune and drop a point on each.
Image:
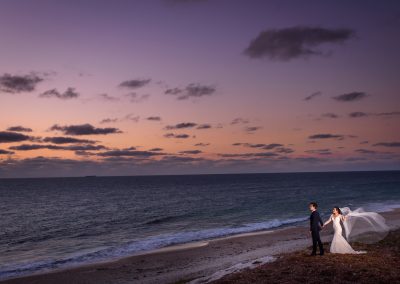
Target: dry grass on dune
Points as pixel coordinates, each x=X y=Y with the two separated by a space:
x=381 y=264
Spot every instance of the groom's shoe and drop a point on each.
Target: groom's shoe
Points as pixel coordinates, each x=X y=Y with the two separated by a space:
x=313 y=254
x=321 y=253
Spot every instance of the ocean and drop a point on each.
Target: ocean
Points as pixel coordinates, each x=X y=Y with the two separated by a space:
x=52 y=223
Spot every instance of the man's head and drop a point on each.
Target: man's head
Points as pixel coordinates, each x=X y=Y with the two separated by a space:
x=313 y=206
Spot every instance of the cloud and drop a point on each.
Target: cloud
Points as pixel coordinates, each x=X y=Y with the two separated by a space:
x=312 y=96
x=173 y=91
x=181 y=125
x=294 y=42
x=204 y=126
x=320 y=151
x=70 y=93
x=191 y=91
x=156 y=149
x=388 y=144
x=364 y=114
x=202 y=144
x=247 y=155
x=179 y=136
x=29 y=147
x=84 y=129
x=108 y=120
x=9 y=137
x=251 y=129
x=365 y=151
x=284 y=150
x=109 y=98
x=19 y=83
x=350 y=97
x=326 y=136
x=357 y=114
x=135 y=83
x=192 y=152
x=329 y=115
x=198 y=90
x=67 y=140
x=5 y=152
x=19 y=128
x=135 y=98
x=239 y=120
x=260 y=145
x=130 y=153
x=131 y=117
x=154 y=118
x=276 y=147
x=388 y=113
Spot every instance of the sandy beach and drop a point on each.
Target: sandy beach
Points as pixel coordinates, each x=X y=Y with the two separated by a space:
x=197 y=262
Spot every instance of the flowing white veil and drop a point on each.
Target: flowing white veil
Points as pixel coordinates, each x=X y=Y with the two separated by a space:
x=364 y=227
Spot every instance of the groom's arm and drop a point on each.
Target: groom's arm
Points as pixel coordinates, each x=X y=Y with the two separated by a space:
x=320 y=220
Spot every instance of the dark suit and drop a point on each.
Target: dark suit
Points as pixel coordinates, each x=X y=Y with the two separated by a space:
x=315 y=226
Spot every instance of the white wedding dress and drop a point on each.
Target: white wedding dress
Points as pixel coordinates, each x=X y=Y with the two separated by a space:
x=360 y=226
x=339 y=243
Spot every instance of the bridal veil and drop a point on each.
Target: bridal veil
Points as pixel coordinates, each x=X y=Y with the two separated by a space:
x=362 y=226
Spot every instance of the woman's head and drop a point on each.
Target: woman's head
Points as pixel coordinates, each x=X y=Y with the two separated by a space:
x=336 y=210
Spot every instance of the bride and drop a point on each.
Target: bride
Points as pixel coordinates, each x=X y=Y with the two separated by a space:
x=361 y=226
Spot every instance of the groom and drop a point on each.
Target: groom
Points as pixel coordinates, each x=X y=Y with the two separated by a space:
x=315 y=226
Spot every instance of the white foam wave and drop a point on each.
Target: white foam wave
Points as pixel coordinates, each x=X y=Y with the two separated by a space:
x=148 y=244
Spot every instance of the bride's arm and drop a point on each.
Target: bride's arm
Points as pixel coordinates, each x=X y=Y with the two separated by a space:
x=343 y=218
x=328 y=221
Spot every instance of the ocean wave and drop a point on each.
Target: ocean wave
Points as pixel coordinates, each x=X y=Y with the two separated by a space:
x=161 y=220
x=147 y=244
x=382 y=206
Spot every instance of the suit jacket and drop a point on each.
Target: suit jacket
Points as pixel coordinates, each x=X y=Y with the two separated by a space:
x=315 y=221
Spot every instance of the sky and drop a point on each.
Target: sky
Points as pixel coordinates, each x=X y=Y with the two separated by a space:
x=96 y=87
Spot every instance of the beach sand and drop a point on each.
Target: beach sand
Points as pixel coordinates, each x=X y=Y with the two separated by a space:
x=196 y=262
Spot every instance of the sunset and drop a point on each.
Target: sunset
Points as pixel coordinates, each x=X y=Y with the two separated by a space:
x=197 y=103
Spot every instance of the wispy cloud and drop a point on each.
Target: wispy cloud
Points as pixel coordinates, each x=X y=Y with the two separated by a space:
x=388 y=144
x=9 y=136
x=191 y=152
x=319 y=151
x=19 y=128
x=294 y=42
x=239 y=120
x=154 y=118
x=67 y=140
x=84 y=129
x=179 y=136
x=108 y=120
x=29 y=147
x=19 y=83
x=326 y=136
x=135 y=83
x=107 y=97
x=5 y=152
x=191 y=91
x=202 y=144
x=181 y=125
x=135 y=98
x=70 y=93
x=252 y=129
x=131 y=153
x=313 y=96
x=350 y=97
x=329 y=115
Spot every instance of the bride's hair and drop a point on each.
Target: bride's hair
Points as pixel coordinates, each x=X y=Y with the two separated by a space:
x=338 y=209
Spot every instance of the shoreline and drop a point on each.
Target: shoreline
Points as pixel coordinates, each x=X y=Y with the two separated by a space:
x=200 y=261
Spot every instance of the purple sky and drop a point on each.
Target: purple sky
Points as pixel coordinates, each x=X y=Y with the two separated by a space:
x=178 y=87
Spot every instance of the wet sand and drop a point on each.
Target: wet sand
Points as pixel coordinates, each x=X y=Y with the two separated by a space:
x=197 y=262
